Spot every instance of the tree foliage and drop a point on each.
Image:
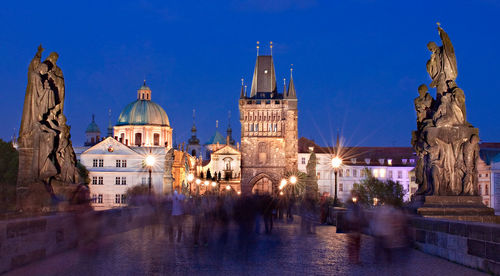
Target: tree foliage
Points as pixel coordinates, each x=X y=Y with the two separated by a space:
x=387 y=192
x=9 y=164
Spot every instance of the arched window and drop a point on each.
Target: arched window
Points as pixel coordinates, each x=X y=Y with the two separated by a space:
x=138 y=139
x=156 y=138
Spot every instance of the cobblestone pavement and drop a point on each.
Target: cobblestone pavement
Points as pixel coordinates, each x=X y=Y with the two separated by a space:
x=147 y=251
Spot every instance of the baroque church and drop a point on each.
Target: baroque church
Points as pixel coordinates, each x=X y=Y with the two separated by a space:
x=269 y=134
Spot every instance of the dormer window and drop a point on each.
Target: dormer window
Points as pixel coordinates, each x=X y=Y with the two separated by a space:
x=389 y=162
x=404 y=161
x=381 y=161
x=367 y=161
x=353 y=160
x=412 y=161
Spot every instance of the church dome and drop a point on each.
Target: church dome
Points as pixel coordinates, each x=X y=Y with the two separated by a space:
x=143 y=111
x=92 y=127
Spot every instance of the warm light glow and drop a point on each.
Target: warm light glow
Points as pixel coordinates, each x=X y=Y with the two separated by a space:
x=293 y=179
x=214 y=184
x=228 y=187
x=239 y=193
x=190 y=177
x=206 y=183
x=382 y=172
x=282 y=184
x=150 y=160
x=198 y=181
x=354 y=199
x=281 y=193
x=336 y=162
x=375 y=201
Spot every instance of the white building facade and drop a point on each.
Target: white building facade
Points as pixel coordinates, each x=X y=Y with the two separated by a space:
x=385 y=163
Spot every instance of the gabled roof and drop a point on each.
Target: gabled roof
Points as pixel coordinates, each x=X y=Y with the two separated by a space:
x=109 y=145
x=227 y=149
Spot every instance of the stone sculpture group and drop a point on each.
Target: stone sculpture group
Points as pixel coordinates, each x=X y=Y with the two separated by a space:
x=47 y=162
x=445 y=143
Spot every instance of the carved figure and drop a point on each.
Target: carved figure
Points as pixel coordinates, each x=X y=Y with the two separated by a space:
x=445 y=143
x=45 y=150
x=423 y=104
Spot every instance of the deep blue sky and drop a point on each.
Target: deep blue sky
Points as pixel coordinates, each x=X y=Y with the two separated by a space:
x=357 y=64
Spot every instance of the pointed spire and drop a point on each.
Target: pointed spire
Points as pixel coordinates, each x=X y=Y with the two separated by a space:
x=291 y=86
x=257 y=48
x=271 y=47
x=243 y=91
x=229 y=137
x=110 y=126
x=285 y=94
x=217 y=124
x=264 y=77
x=193 y=140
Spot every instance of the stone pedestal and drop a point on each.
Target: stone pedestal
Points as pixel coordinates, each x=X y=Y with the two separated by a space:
x=457 y=207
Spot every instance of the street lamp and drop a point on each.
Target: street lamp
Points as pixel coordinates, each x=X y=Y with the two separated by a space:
x=198 y=182
x=150 y=162
x=336 y=163
x=293 y=179
x=206 y=183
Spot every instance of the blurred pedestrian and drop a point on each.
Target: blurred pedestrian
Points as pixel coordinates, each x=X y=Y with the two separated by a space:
x=355 y=219
x=177 y=215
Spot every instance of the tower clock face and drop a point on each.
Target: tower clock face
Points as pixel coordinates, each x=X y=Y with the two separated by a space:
x=110 y=149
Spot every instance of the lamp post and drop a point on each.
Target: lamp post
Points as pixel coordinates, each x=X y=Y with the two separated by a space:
x=150 y=162
x=198 y=182
x=336 y=162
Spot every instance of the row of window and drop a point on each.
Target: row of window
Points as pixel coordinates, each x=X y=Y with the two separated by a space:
x=376 y=173
x=119 y=198
x=99 y=163
x=368 y=160
x=270 y=127
x=274 y=116
x=99 y=180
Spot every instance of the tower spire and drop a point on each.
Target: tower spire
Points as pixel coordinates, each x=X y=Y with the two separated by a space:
x=271 y=47
x=243 y=91
x=291 y=86
x=229 y=137
x=285 y=94
x=257 y=48
x=110 y=126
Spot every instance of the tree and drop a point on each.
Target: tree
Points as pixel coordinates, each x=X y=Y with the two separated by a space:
x=209 y=175
x=9 y=164
x=387 y=192
x=83 y=172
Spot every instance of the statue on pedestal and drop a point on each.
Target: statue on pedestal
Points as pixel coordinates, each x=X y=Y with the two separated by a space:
x=47 y=162
x=445 y=143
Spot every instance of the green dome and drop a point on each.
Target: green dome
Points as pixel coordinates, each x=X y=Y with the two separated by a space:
x=143 y=112
x=92 y=127
x=217 y=138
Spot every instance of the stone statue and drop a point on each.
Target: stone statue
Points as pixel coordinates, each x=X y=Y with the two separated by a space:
x=442 y=66
x=423 y=104
x=445 y=143
x=168 y=179
x=46 y=156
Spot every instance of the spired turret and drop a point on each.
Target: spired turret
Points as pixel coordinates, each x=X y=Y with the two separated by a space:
x=92 y=133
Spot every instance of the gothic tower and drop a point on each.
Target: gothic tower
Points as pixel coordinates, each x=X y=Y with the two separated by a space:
x=269 y=142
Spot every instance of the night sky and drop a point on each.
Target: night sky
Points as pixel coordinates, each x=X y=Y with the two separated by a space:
x=357 y=64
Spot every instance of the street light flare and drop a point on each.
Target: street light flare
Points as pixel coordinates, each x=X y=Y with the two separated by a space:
x=336 y=162
x=150 y=160
x=293 y=179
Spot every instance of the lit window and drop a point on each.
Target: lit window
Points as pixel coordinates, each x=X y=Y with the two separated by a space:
x=318 y=175
x=375 y=172
x=389 y=162
x=124 y=180
x=347 y=173
x=382 y=172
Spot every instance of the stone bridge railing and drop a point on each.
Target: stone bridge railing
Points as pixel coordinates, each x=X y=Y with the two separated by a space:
x=26 y=240
x=472 y=244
